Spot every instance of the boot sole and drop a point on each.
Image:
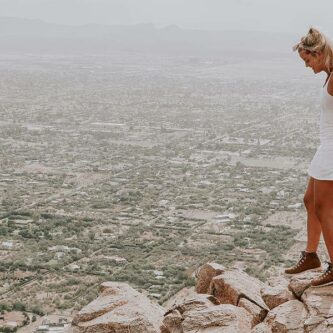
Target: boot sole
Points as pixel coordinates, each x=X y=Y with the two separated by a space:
x=322 y=285
x=317 y=269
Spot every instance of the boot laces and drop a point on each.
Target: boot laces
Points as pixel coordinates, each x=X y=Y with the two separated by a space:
x=329 y=268
x=302 y=258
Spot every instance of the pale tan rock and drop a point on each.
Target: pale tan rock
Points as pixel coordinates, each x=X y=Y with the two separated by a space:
x=205 y=275
x=197 y=302
x=231 y=285
x=279 y=280
x=164 y=329
x=274 y=296
x=224 y=318
x=287 y=317
x=312 y=323
x=180 y=297
x=202 y=315
x=119 y=307
x=257 y=313
x=261 y=328
x=174 y=317
x=173 y=322
x=322 y=328
x=319 y=301
x=298 y=283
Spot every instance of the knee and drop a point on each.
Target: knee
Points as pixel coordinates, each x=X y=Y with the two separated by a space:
x=308 y=202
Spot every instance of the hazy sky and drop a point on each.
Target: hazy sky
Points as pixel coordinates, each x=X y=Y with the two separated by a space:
x=262 y=15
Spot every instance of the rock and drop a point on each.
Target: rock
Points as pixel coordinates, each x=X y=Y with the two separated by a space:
x=174 y=317
x=231 y=285
x=205 y=275
x=278 y=280
x=298 y=283
x=261 y=328
x=183 y=296
x=224 y=318
x=173 y=322
x=203 y=315
x=324 y=327
x=257 y=313
x=287 y=317
x=180 y=297
x=196 y=302
x=248 y=306
x=312 y=323
x=119 y=308
x=318 y=301
x=274 y=296
x=163 y=329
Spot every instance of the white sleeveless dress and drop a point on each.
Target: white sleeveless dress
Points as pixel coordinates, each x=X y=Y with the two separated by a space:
x=321 y=166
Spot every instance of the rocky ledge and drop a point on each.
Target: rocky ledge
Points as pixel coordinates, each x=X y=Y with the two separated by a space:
x=223 y=301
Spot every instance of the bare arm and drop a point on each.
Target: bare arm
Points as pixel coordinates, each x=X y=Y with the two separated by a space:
x=330 y=85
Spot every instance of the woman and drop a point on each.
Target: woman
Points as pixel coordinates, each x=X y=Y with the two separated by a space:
x=316 y=50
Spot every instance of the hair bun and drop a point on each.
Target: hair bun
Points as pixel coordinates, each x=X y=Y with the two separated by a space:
x=314 y=42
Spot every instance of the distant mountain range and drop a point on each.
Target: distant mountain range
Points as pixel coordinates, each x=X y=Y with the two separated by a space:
x=18 y=34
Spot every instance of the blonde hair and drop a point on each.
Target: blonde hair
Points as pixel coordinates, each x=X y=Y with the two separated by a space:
x=316 y=41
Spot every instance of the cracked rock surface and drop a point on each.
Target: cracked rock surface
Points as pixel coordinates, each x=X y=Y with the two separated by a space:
x=224 y=301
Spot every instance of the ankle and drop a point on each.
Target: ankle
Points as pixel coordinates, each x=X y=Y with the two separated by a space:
x=310 y=252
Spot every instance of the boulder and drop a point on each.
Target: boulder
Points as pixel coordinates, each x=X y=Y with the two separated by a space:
x=173 y=318
x=164 y=329
x=298 y=283
x=180 y=297
x=274 y=296
x=257 y=313
x=119 y=308
x=324 y=327
x=312 y=323
x=172 y=322
x=203 y=314
x=288 y=317
x=261 y=328
x=195 y=302
x=278 y=279
x=319 y=301
x=205 y=275
x=231 y=285
x=224 y=318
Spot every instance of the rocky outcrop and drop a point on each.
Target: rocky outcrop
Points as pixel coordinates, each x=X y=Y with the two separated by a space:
x=235 y=303
x=281 y=305
x=205 y=274
x=119 y=308
x=232 y=285
x=203 y=312
x=226 y=301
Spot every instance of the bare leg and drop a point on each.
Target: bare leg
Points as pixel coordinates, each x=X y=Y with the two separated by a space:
x=323 y=201
x=313 y=223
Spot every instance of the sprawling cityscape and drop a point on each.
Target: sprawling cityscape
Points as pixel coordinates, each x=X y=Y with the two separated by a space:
x=141 y=168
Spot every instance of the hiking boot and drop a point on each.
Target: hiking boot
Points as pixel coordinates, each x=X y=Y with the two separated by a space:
x=307 y=261
x=324 y=279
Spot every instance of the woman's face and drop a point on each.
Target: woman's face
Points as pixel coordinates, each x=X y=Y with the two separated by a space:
x=316 y=62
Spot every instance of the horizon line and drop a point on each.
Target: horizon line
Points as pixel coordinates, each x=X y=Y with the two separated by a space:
x=169 y=26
